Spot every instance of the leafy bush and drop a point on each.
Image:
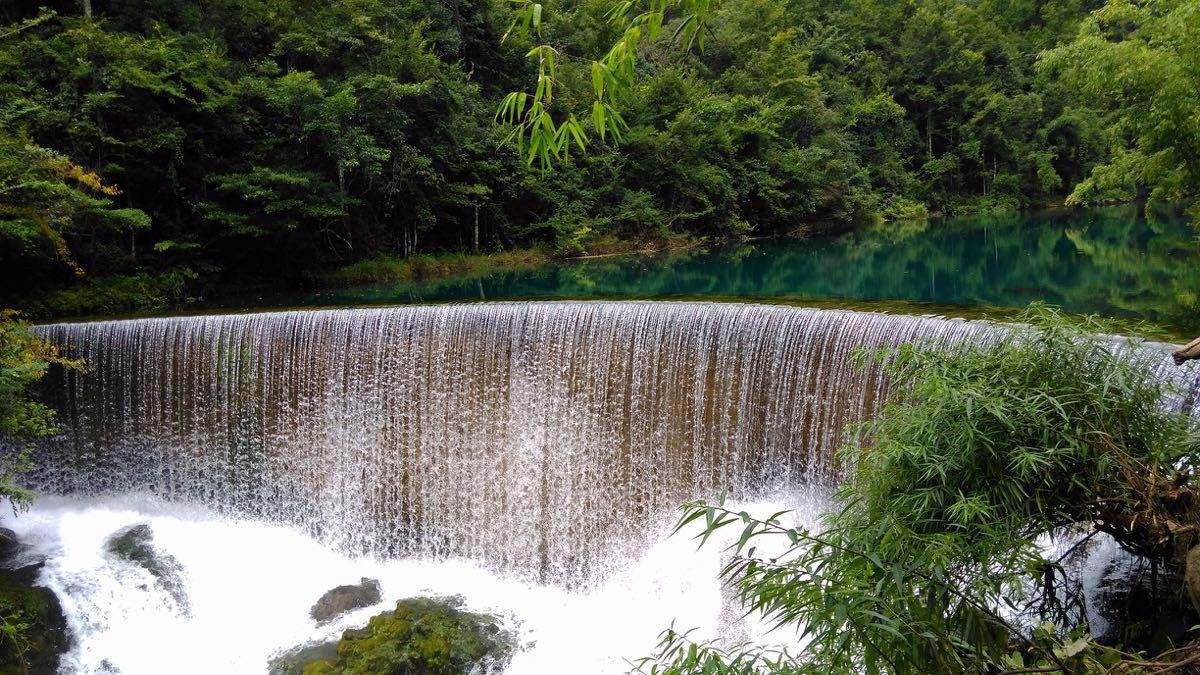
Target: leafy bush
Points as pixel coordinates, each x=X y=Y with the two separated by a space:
x=932 y=561
x=24 y=359
x=33 y=630
x=903 y=209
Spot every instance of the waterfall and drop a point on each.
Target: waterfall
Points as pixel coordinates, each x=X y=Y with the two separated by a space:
x=535 y=437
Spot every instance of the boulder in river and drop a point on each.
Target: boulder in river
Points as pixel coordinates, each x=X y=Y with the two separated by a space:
x=135 y=544
x=9 y=544
x=1187 y=352
x=1191 y=576
x=338 y=601
x=44 y=638
x=422 y=636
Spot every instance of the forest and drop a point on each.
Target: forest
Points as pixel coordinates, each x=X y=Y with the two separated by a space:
x=157 y=151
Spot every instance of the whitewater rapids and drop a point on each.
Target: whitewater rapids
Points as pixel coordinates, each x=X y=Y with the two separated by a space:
x=250 y=585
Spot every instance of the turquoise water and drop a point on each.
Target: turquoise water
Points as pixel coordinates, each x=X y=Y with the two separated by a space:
x=1111 y=261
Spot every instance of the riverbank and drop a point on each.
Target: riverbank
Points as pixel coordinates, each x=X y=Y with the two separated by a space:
x=432 y=268
x=183 y=289
x=1115 y=262
x=426 y=267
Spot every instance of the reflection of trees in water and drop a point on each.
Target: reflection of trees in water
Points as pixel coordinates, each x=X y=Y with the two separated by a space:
x=1160 y=280
x=1104 y=260
x=1111 y=261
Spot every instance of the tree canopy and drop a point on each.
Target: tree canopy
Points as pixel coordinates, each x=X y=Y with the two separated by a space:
x=153 y=151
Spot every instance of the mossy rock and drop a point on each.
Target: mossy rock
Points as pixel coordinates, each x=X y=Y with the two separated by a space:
x=422 y=636
x=294 y=660
x=135 y=544
x=33 y=629
x=9 y=544
x=343 y=599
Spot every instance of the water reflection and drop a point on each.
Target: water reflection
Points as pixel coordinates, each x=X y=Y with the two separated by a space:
x=1112 y=261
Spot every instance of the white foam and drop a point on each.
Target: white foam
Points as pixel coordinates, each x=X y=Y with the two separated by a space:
x=251 y=584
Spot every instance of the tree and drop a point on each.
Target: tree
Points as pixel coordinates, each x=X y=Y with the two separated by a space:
x=44 y=197
x=534 y=128
x=1136 y=64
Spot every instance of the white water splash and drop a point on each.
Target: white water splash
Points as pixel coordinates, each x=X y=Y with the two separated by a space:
x=251 y=585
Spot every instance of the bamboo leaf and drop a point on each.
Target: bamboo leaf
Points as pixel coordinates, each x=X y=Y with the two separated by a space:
x=598 y=118
x=598 y=78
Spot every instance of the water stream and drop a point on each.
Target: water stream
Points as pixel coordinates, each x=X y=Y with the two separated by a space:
x=1113 y=261
x=250 y=585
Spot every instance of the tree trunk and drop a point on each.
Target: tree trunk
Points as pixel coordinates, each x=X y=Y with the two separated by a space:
x=87 y=9
x=477 y=229
x=929 y=131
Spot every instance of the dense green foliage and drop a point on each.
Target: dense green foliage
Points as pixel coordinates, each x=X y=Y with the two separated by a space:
x=258 y=139
x=935 y=560
x=24 y=359
x=164 y=149
x=1141 y=63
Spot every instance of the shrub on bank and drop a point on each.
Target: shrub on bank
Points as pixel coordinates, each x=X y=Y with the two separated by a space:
x=936 y=559
x=118 y=294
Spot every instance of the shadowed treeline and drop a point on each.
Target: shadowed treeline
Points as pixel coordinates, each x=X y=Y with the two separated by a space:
x=1111 y=261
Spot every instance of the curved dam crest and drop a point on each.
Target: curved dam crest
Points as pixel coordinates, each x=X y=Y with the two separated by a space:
x=538 y=438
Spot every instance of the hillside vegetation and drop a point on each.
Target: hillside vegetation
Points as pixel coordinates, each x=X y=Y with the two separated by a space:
x=154 y=150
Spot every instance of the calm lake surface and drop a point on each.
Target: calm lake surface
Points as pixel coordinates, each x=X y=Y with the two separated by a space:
x=1111 y=261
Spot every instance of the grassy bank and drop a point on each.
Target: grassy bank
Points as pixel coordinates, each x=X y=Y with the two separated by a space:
x=387 y=268
x=113 y=295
